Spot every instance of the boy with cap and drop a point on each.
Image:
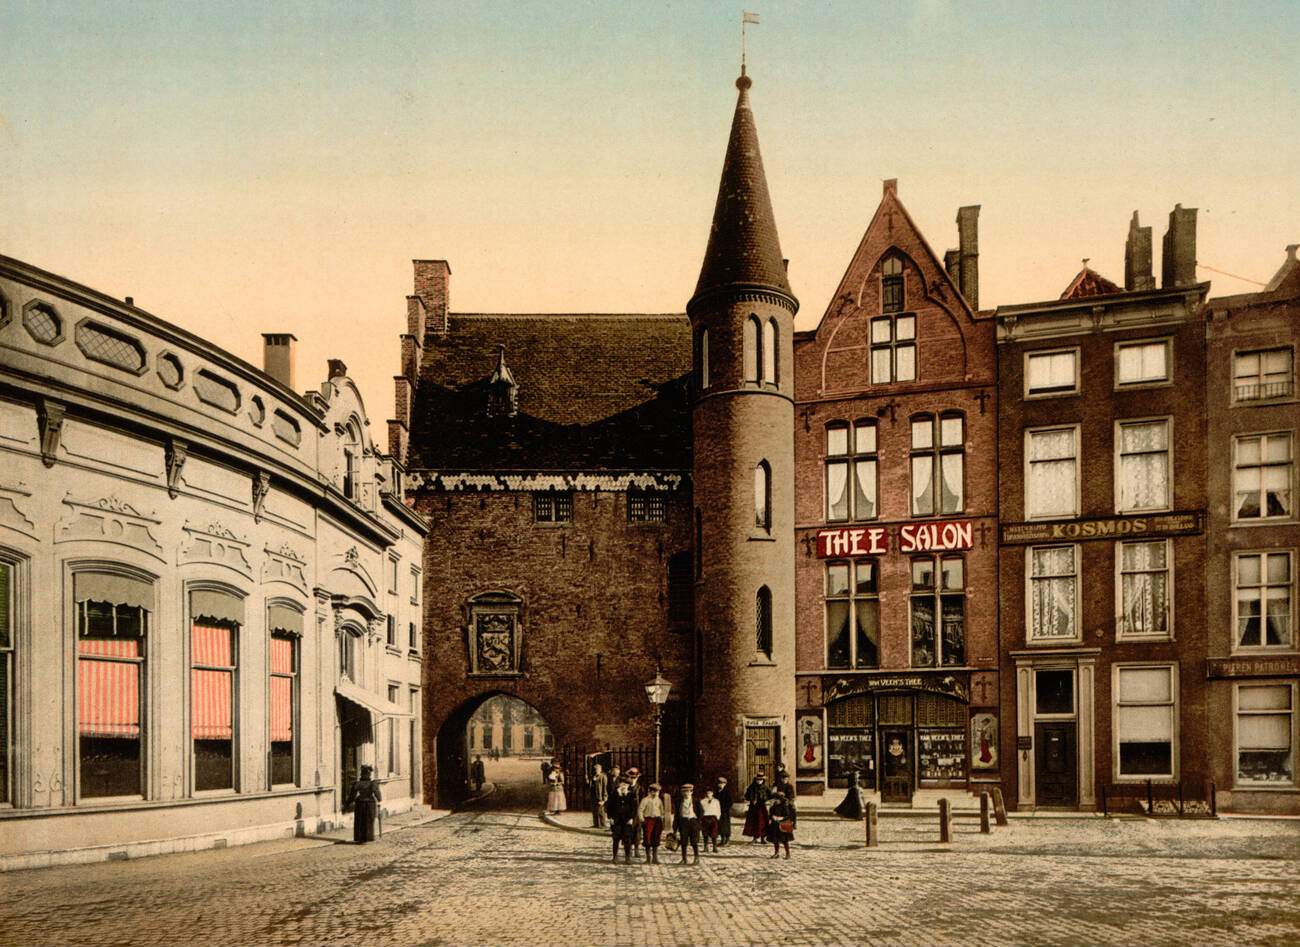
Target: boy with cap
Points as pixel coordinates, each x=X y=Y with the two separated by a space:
x=651 y=813
x=688 y=822
x=725 y=802
x=710 y=813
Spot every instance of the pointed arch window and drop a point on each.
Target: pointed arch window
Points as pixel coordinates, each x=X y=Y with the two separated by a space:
x=753 y=344
x=763 y=621
x=768 y=351
x=763 y=496
x=891 y=285
x=704 y=359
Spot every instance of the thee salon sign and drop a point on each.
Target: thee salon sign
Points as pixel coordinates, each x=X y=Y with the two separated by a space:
x=912 y=537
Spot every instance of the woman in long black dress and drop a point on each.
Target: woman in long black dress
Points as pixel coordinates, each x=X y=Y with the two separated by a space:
x=851 y=807
x=756 y=815
x=365 y=798
x=780 y=827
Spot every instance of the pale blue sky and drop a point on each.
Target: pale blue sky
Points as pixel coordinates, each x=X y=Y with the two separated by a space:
x=241 y=168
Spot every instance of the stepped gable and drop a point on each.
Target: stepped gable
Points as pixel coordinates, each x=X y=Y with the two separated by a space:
x=594 y=392
x=743 y=248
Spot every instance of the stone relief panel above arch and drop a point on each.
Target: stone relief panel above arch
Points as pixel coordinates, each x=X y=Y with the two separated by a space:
x=216 y=545
x=112 y=520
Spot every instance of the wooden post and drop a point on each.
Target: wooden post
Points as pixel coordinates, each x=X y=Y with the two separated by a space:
x=945 y=821
x=1151 y=802
x=984 y=813
x=873 y=826
x=999 y=807
x=1214 y=801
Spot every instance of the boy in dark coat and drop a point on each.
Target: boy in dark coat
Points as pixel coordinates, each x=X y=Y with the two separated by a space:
x=621 y=809
x=688 y=822
x=725 y=801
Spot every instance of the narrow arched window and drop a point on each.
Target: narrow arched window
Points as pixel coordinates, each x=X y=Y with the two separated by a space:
x=769 y=351
x=763 y=621
x=753 y=348
x=763 y=496
x=704 y=358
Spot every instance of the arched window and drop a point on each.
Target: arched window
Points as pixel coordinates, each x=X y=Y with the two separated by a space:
x=285 y=625
x=704 y=358
x=763 y=496
x=891 y=285
x=349 y=653
x=753 y=348
x=769 y=351
x=351 y=452
x=763 y=621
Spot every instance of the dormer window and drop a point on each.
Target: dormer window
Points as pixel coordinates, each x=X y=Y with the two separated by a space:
x=891 y=285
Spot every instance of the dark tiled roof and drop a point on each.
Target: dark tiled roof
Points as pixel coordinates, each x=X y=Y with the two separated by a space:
x=595 y=392
x=743 y=244
x=1089 y=282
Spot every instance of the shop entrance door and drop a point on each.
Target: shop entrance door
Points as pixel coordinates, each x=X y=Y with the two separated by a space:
x=354 y=731
x=760 y=753
x=896 y=765
x=1056 y=764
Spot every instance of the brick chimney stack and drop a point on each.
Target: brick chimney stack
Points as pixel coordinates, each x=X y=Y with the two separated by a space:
x=1178 y=260
x=1137 y=257
x=968 y=253
x=278 y=357
x=433 y=288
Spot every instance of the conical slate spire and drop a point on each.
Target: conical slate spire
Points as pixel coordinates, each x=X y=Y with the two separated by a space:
x=744 y=249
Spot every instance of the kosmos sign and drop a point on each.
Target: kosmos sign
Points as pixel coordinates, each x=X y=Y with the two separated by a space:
x=912 y=537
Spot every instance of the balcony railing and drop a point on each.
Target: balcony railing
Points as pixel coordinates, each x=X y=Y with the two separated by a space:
x=1261 y=391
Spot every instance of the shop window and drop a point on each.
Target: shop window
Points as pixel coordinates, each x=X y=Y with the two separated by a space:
x=1143 y=476
x=1053 y=593
x=552 y=508
x=850 y=733
x=286 y=633
x=1145 y=705
x=646 y=506
x=938 y=612
x=1263 y=374
x=215 y=620
x=8 y=610
x=112 y=636
x=1266 y=735
x=1263 y=470
x=938 y=457
x=1052 y=472
x=763 y=622
x=940 y=738
x=853 y=614
x=851 y=461
x=1144 y=590
x=495 y=633
x=1052 y=373
x=763 y=497
x=893 y=349
x=1262 y=587
x=1142 y=363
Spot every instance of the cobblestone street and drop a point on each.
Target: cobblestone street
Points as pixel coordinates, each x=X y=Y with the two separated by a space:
x=494 y=876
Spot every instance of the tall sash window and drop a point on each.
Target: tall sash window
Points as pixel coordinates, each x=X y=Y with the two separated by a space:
x=214 y=657
x=286 y=633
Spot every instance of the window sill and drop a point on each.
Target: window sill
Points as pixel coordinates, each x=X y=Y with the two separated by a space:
x=1278 y=651
x=1292 y=789
x=214 y=793
x=762 y=663
x=1144 y=639
x=127 y=803
x=1044 y=395
x=1265 y=521
x=482 y=675
x=393 y=650
x=1053 y=642
x=1162 y=780
x=543 y=525
x=1144 y=385
x=761 y=538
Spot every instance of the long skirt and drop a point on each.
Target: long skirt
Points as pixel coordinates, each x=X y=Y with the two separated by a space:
x=774 y=833
x=851 y=807
x=363 y=821
x=755 y=821
x=555 y=801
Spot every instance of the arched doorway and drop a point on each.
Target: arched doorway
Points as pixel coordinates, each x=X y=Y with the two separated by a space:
x=510 y=736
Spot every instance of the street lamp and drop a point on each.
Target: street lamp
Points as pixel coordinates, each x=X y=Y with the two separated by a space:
x=657 y=690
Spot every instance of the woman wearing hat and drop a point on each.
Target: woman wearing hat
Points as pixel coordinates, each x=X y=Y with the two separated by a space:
x=756 y=816
x=555 y=800
x=365 y=798
x=781 y=820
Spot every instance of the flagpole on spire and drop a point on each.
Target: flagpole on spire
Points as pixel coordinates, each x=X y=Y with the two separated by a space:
x=745 y=18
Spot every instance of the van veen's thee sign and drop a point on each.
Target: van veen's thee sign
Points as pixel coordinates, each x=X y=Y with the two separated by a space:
x=912 y=537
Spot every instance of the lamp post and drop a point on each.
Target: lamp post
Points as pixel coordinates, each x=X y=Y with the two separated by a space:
x=657 y=690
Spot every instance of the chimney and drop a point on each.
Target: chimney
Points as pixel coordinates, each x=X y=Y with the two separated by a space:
x=277 y=357
x=336 y=368
x=433 y=286
x=1178 y=259
x=951 y=263
x=1137 y=257
x=968 y=253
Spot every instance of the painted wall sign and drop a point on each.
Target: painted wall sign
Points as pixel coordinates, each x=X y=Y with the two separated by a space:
x=1252 y=667
x=810 y=743
x=984 y=741
x=1024 y=743
x=762 y=721
x=847 y=541
x=947 y=684
x=1106 y=528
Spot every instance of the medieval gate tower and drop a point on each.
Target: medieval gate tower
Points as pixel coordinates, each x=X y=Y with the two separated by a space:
x=742 y=320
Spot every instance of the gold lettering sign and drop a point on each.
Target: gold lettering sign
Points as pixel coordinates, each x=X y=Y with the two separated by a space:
x=1157 y=524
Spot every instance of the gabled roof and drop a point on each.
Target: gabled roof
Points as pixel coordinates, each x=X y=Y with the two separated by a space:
x=743 y=249
x=1288 y=276
x=1088 y=282
x=595 y=392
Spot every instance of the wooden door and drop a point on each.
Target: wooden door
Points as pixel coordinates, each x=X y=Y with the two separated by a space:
x=1056 y=764
x=897 y=765
x=760 y=754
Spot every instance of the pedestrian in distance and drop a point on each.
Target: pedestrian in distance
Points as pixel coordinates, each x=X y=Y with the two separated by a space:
x=599 y=793
x=781 y=822
x=689 y=813
x=756 y=815
x=546 y=772
x=620 y=808
x=638 y=792
x=725 y=802
x=710 y=813
x=651 y=817
x=478 y=774
x=783 y=781
x=851 y=807
x=365 y=798
x=555 y=801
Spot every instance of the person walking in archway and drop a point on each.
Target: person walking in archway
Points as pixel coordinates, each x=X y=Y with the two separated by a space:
x=478 y=773
x=365 y=798
x=546 y=771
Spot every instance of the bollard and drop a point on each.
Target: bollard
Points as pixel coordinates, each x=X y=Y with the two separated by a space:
x=945 y=821
x=873 y=826
x=999 y=807
x=984 y=813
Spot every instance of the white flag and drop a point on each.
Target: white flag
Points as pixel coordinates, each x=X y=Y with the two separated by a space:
x=749 y=18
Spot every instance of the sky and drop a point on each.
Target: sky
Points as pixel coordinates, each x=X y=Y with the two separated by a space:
x=241 y=168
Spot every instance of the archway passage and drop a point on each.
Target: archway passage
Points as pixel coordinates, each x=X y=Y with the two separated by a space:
x=512 y=740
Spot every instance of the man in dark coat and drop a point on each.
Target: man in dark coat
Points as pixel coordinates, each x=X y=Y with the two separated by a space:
x=365 y=798
x=725 y=800
x=478 y=773
x=621 y=809
x=638 y=792
x=546 y=772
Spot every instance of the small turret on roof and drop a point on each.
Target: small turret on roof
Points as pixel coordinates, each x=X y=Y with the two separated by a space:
x=1088 y=282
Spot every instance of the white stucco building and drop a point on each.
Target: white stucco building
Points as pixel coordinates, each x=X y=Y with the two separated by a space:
x=209 y=588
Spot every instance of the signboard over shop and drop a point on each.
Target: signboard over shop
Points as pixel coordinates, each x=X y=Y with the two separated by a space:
x=950 y=685
x=1252 y=667
x=849 y=541
x=1162 y=524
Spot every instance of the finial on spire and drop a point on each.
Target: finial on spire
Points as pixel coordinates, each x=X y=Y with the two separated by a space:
x=745 y=19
